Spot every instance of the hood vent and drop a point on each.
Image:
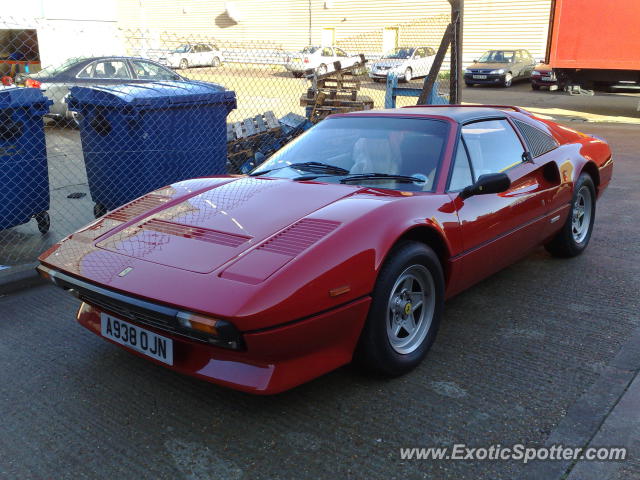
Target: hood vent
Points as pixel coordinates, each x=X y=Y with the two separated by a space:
x=197 y=233
x=298 y=237
x=138 y=207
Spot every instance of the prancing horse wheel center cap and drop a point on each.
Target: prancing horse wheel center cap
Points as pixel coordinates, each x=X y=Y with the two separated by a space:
x=407 y=308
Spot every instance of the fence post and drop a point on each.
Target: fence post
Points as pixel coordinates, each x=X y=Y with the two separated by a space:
x=455 y=79
x=389 y=96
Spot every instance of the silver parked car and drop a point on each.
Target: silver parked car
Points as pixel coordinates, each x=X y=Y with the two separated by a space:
x=319 y=59
x=192 y=55
x=405 y=62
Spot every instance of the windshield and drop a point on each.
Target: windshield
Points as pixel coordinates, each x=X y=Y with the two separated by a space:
x=181 y=49
x=399 y=53
x=55 y=70
x=309 y=50
x=364 y=145
x=497 y=56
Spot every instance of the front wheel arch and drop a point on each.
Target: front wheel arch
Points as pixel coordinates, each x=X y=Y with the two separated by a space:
x=431 y=238
x=592 y=170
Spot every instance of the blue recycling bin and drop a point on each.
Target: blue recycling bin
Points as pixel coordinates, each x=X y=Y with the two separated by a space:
x=140 y=137
x=24 y=176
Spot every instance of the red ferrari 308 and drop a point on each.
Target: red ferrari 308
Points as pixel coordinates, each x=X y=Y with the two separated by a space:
x=342 y=245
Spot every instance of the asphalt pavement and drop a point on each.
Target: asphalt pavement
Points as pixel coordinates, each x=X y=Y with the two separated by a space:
x=543 y=350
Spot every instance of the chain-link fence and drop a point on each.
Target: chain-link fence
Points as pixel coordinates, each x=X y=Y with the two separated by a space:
x=139 y=109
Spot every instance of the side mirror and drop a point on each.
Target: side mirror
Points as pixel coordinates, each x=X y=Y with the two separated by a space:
x=490 y=183
x=475 y=60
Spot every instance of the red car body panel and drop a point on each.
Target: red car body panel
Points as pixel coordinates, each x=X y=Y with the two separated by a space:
x=292 y=264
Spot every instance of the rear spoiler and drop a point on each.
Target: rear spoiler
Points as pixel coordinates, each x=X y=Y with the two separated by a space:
x=499 y=107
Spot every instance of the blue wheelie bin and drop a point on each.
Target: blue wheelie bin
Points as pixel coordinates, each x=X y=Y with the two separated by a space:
x=137 y=138
x=24 y=176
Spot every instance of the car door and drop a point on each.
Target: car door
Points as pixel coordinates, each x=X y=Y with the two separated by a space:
x=499 y=228
x=418 y=62
x=326 y=57
x=529 y=63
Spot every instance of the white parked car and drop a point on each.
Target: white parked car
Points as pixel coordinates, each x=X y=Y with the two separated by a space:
x=320 y=59
x=192 y=55
x=405 y=62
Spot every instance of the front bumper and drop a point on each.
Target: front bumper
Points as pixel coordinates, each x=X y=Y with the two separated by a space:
x=491 y=78
x=272 y=360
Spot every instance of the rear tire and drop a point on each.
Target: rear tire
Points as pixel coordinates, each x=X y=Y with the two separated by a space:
x=322 y=69
x=405 y=312
x=184 y=64
x=574 y=237
x=408 y=75
x=216 y=62
x=296 y=74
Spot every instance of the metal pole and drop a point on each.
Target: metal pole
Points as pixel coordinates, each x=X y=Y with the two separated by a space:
x=310 y=39
x=455 y=79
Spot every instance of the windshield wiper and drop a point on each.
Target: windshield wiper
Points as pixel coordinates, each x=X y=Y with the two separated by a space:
x=313 y=167
x=382 y=176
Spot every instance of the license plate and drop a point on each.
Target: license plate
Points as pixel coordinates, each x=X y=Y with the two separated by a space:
x=480 y=77
x=547 y=79
x=138 y=339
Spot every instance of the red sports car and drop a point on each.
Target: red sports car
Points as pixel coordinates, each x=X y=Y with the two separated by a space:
x=343 y=245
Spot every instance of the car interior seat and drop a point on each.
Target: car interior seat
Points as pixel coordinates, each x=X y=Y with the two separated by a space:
x=373 y=155
x=420 y=155
x=109 y=70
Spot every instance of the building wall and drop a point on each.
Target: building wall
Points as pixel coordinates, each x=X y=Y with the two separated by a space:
x=358 y=24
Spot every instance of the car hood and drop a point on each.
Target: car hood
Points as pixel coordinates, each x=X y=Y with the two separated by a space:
x=213 y=227
x=487 y=66
x=390 y=62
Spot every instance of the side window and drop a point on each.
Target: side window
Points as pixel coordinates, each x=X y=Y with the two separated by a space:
x=111 y=69
x=419 y=53
x=151 y=71
x=326 y=52
x=87 y=71
x=493 y=146
x=461 y=176
x=430 y=51
x=205 y=48
x=340 y=53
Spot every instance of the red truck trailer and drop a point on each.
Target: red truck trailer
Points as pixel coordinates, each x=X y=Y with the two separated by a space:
x=594 y=41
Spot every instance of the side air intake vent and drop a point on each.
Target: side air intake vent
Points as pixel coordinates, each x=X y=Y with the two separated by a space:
x=298 y=237
x=197 y=233
x=538 y=141
x=138 y=207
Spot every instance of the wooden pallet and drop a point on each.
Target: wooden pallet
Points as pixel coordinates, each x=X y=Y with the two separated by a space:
x=258 y=125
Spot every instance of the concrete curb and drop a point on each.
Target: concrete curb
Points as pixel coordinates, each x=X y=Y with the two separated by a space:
x=585 y=417
x=24 y=276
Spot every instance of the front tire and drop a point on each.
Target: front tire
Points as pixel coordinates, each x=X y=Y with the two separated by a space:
x=322 y=69
x=408 y=75
x=296 y=74
x=184 y=64
x=508 y=80
x=405 y=312
x=216 y=62
x=574 y=237
x=535 y=87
